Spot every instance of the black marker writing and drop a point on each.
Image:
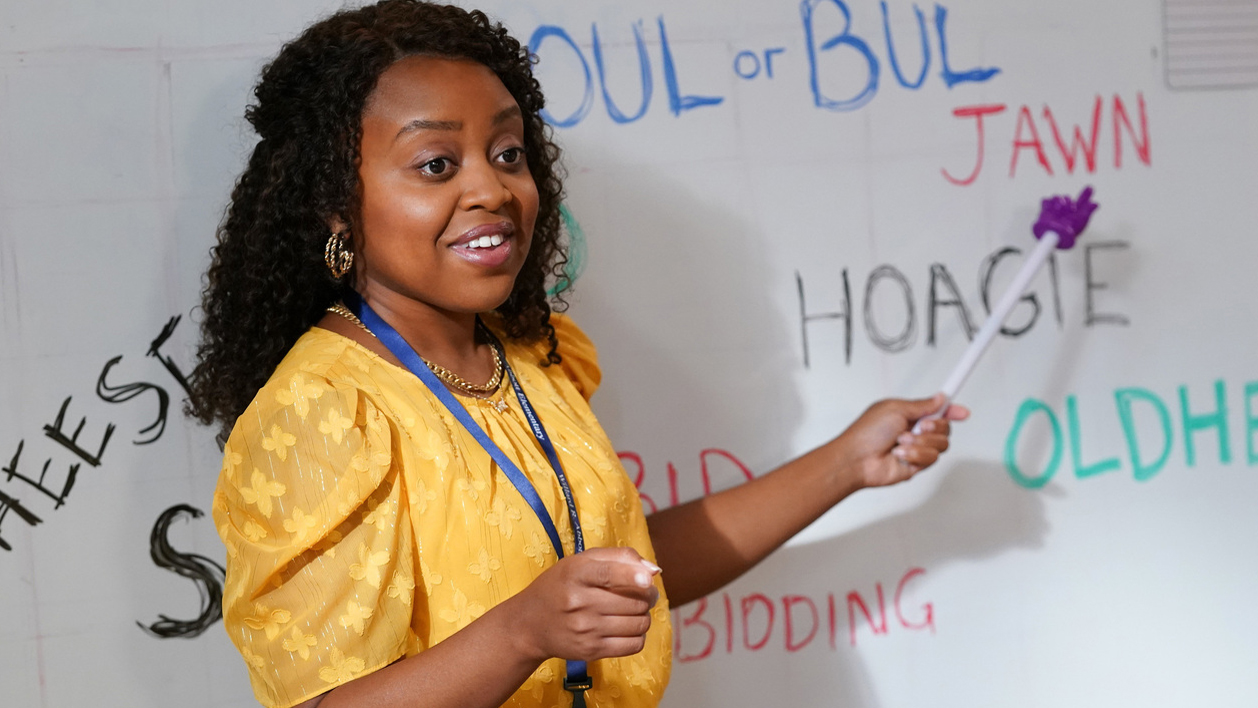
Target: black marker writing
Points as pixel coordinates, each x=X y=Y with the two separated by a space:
x=71 y=443
x=207 y=575
x=11 y=472
x=846 y=315
x=155 y=352
x=1092 y=286
x=890 y=323
x=7 y=504
x=125 y=392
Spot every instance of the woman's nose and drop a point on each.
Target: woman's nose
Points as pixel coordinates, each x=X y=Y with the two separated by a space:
x=484 y=187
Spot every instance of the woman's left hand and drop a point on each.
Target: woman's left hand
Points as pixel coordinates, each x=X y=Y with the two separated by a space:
x=881 y=448
x=706 y=543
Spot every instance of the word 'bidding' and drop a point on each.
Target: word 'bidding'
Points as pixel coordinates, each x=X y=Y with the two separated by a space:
x=752 y=622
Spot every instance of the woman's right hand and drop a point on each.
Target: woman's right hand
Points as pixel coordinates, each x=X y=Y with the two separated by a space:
x=587 y=606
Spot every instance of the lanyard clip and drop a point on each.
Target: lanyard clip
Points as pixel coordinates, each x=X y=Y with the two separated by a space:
x=578 y=686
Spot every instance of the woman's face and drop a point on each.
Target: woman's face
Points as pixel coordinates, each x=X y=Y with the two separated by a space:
x=448 y=203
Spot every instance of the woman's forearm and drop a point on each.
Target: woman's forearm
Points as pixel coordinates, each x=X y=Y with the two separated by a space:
x=479 y=666
x=706 y=543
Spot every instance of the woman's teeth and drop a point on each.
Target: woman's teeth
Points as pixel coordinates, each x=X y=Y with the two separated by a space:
x=485 y=242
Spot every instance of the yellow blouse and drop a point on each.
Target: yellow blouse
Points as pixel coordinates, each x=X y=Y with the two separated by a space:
x=364 y=524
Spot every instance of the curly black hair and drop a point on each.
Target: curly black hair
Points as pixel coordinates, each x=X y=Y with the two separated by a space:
x=268 y=283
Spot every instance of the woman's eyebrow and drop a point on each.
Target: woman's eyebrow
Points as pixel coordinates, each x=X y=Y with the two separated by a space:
x=506 y=114
x=425 y=124
x=454 y=125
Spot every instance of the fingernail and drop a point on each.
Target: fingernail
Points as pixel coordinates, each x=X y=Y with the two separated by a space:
x=899 y=452
x=642 y=579
x=905 y=438
x=653 y=567
x=928 y=426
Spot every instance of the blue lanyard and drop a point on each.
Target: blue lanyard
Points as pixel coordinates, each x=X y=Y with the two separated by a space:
x=578 y=680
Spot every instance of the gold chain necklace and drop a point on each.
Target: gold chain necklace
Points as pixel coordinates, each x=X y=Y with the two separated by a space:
x=339 y=308
x=483 y=392
x=467 y=386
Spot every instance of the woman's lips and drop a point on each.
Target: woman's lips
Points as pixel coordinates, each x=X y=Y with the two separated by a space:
x=489 y=245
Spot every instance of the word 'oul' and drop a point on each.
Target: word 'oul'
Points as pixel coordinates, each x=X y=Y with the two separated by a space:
x=834 y=58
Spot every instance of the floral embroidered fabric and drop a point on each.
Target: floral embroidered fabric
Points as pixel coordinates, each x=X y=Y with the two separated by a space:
x=363 y=524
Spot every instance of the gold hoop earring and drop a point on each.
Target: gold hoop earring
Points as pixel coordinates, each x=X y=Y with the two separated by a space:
x=335 y=254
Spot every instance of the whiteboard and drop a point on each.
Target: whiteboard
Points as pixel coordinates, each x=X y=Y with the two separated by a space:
x=784 y=217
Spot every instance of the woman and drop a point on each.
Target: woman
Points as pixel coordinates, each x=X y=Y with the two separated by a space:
x=397 y=533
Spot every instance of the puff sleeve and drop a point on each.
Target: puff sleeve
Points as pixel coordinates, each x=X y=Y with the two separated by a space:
x=320 y=570
x=580 y=358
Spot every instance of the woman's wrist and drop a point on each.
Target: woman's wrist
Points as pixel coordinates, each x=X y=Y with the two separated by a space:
x=847 y=472
x=514 y=624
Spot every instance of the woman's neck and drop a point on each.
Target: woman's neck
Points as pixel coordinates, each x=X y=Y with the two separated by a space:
x=439 y=336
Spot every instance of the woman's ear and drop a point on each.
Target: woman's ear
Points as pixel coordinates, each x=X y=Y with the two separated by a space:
x=338 y=253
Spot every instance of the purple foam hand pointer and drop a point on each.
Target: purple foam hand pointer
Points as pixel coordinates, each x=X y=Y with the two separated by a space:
x=1062 y=216
x=1065 y=216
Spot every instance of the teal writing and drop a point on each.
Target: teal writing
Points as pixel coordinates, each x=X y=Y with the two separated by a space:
x=1251 y=421
x=1149 y=431
x=1216 y=420
x=1028 y=408
x=1076 y=447
x=1124 y=399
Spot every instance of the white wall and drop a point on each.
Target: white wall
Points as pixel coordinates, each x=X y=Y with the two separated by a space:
x=120 y=135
